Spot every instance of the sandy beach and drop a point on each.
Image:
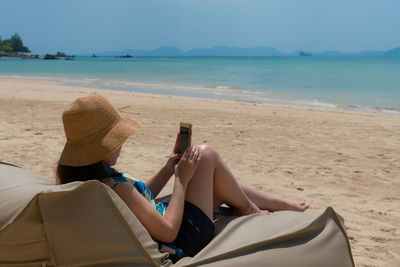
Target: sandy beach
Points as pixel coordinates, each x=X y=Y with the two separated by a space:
x=350 y=161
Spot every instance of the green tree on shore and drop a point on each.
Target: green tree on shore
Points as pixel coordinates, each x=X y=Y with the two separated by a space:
x=14 y=44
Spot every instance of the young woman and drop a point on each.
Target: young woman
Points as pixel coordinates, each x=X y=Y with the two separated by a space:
x=96 y=131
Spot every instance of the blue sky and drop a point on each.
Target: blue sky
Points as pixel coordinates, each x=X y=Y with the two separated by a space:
x=85 y=26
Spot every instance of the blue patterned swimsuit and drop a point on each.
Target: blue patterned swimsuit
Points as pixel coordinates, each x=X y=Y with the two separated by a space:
x=140 y=187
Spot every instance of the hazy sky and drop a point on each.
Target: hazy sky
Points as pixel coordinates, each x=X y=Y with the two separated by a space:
x=85 y=26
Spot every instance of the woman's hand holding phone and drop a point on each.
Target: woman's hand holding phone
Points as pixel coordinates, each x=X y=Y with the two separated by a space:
x=188 y=164
x=174 y=157
x=188 y=159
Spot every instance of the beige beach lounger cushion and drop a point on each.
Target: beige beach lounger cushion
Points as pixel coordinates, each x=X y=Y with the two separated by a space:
x=87 y=224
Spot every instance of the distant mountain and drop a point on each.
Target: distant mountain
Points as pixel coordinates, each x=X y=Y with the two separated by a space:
x=354 y=54
x=263 y=51
x=393 y=53
x=234 y=51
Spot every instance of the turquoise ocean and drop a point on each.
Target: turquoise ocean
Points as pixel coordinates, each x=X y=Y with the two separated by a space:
x=370 y=84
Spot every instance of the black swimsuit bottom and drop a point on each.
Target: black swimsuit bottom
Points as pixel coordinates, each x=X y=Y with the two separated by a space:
x=195 y=233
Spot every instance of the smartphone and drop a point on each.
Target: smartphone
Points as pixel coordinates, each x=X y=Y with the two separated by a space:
x=185 y=136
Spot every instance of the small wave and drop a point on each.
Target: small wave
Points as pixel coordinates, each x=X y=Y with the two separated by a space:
x=210 y=86
x=318 y=103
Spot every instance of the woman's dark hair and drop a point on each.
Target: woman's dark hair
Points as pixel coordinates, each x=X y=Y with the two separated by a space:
x=95 y=171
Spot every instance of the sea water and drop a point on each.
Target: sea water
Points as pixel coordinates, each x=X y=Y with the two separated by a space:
x=356 y=83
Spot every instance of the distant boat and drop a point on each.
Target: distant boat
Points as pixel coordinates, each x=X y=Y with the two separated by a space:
x=10 y=55
x=48 y=56
x=30 y=56
x=126 y=56
x=33 y=56
x=94 y=55
x=304 y=54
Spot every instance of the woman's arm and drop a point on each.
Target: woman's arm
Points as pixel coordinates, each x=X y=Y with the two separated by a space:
x=163 y=228
x=161 y=178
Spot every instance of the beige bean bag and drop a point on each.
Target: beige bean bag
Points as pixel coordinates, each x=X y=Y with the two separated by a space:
x=87 y=224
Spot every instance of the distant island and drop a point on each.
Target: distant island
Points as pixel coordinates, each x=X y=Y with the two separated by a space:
x=13 y=47
x=59 y=55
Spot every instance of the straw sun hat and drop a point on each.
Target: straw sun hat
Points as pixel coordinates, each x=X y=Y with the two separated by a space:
x=94 y=130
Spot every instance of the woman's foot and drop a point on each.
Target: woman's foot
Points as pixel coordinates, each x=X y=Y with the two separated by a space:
x=301 y=207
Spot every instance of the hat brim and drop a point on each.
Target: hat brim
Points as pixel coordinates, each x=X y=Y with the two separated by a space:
x=97 y=148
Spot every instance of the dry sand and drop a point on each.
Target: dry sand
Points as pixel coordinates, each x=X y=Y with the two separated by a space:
x=349 y=161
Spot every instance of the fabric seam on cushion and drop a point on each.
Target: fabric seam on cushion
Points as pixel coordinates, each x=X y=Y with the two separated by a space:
x=336 y=219
x=126 y=223
x=49 y=243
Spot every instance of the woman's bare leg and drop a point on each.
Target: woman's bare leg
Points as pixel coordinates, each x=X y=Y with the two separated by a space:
x=213 y=184
x=214 y=181
x=266 y=202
